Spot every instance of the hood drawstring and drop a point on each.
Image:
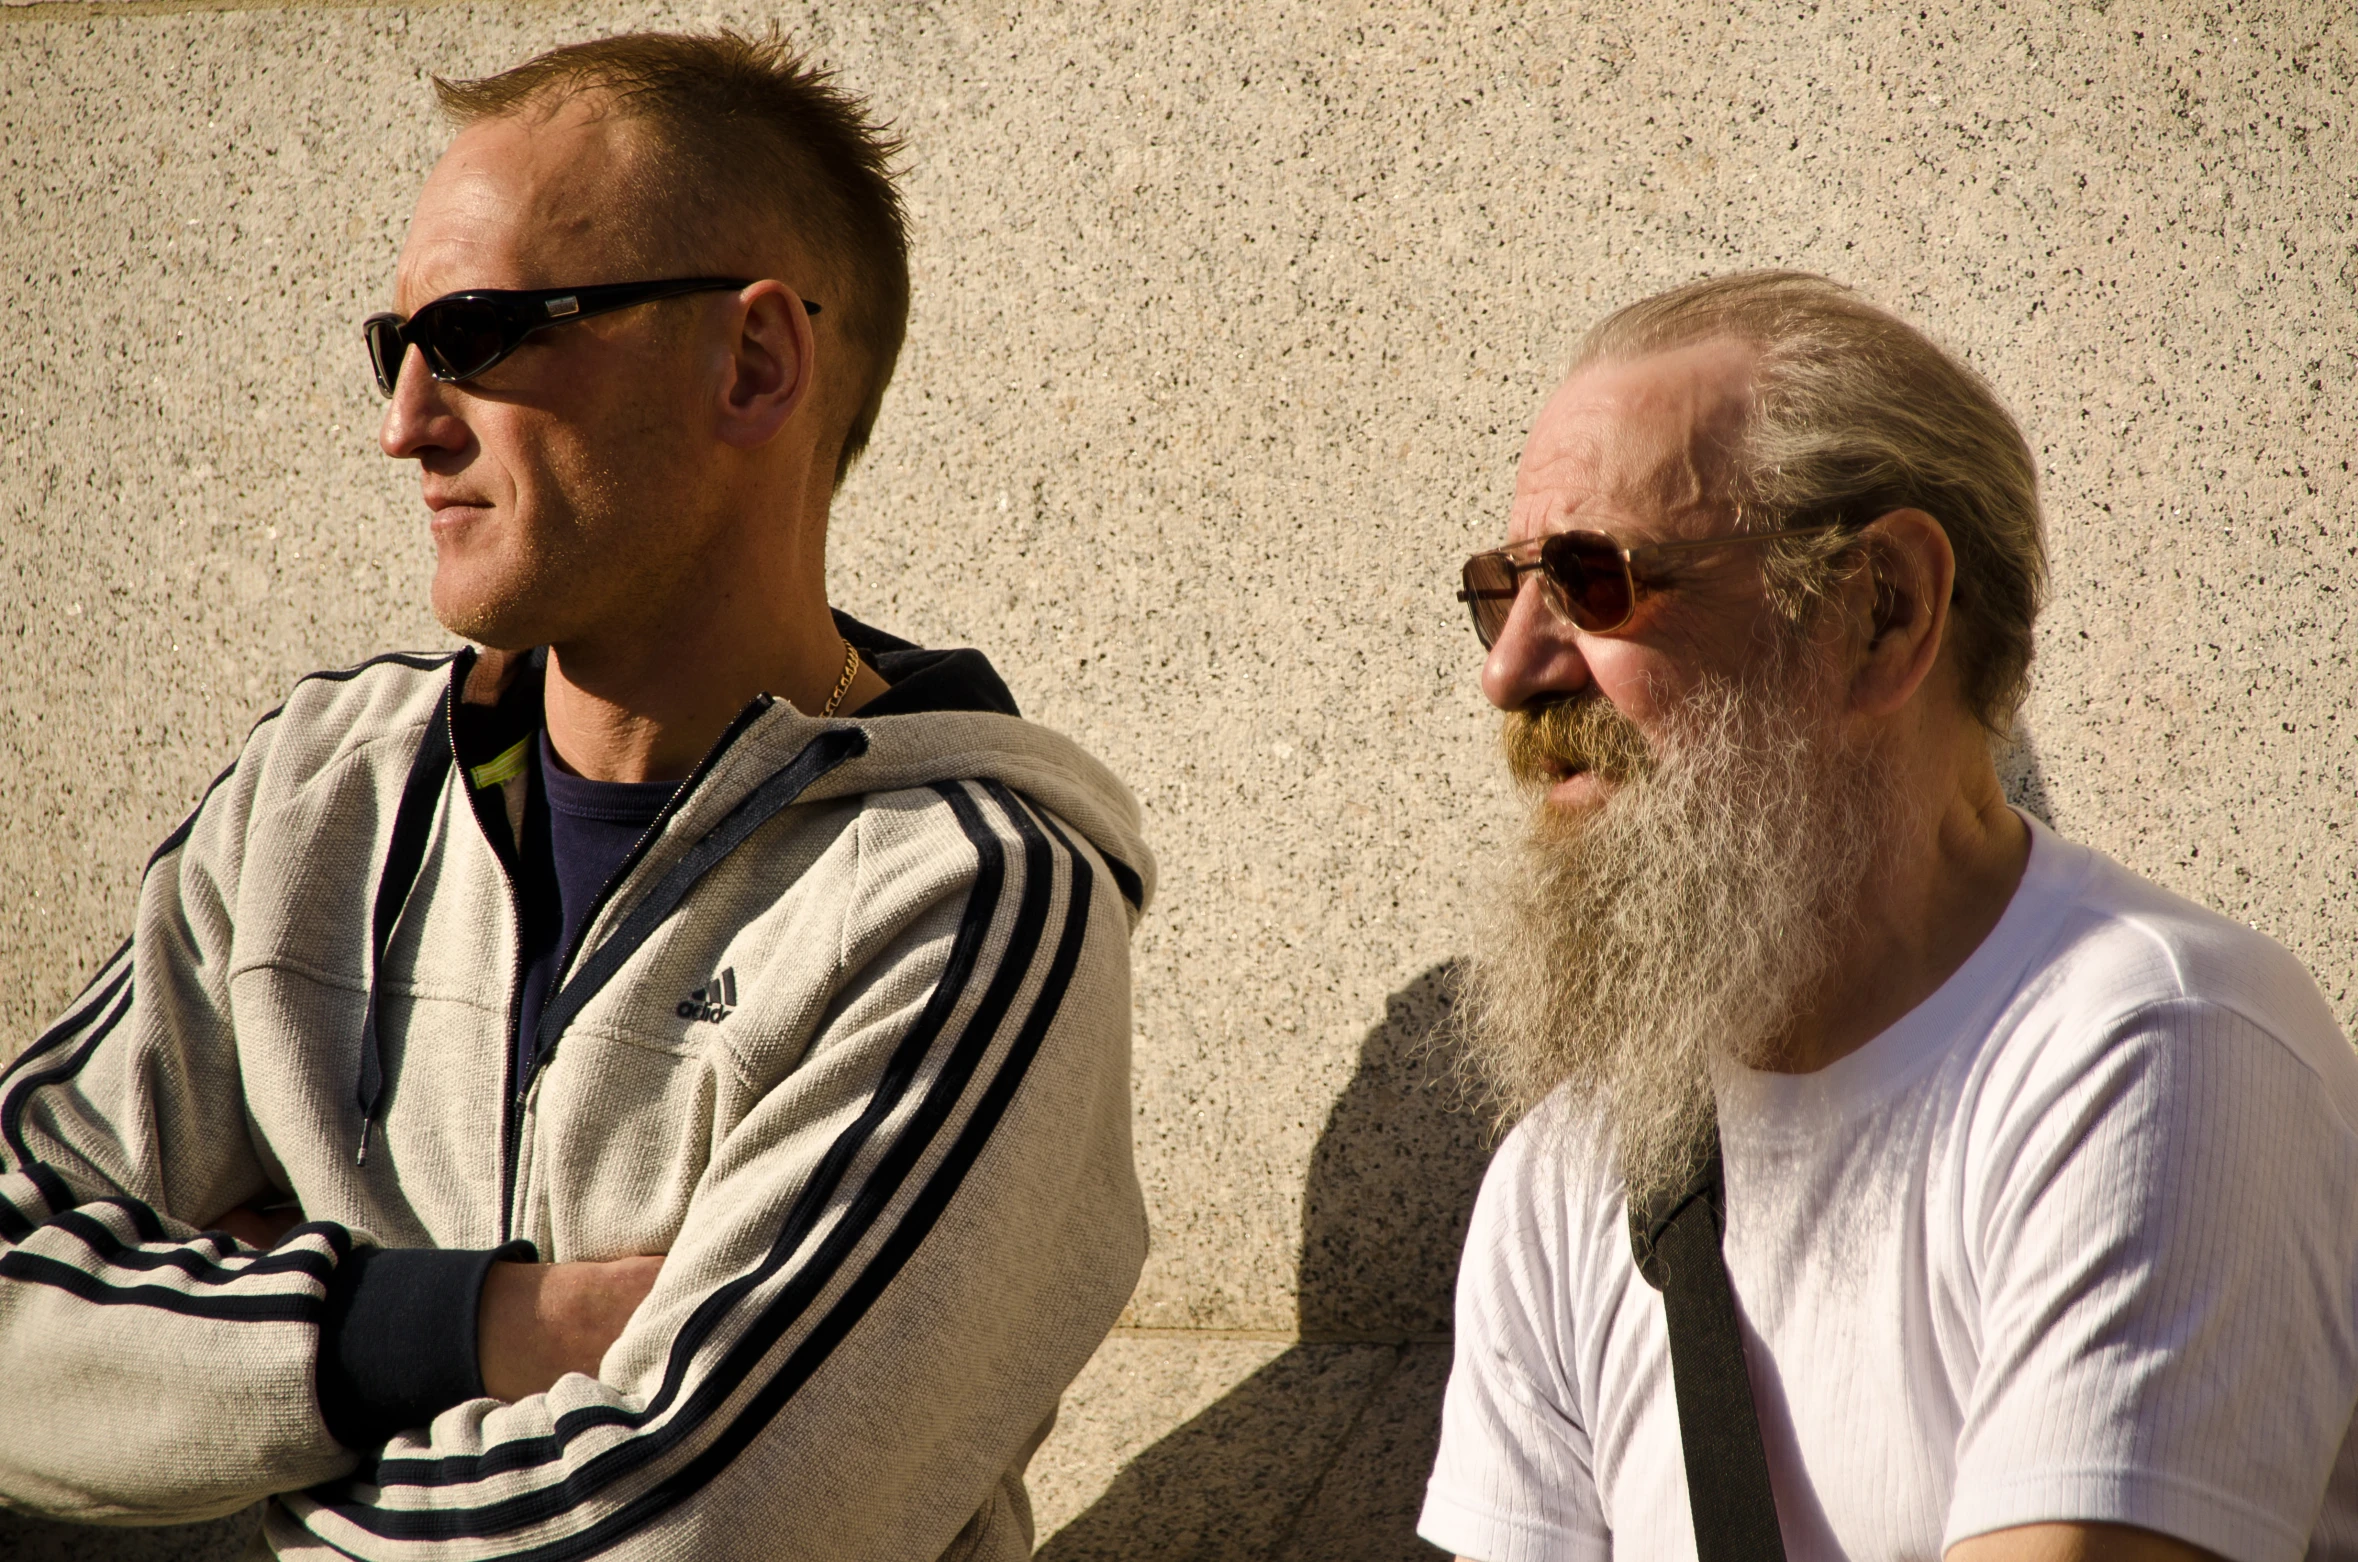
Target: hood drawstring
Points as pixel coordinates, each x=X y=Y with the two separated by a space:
x=413 y=824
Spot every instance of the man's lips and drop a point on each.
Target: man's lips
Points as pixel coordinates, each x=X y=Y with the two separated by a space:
x=455 y=509
x=1573 y=783
x=1577 y=789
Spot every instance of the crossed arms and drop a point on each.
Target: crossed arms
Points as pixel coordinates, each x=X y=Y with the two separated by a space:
x=897 y=1248
x=535 y=1322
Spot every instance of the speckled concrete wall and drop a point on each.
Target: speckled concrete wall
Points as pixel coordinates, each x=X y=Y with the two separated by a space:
x=1227 y=330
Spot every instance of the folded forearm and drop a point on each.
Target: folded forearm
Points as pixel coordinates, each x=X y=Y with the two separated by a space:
x=398 y=1338
x=153 y=1382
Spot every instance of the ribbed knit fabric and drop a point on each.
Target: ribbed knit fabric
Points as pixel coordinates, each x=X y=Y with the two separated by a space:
x=397 y=1337
x=2074 y=1240
x=848 y=1042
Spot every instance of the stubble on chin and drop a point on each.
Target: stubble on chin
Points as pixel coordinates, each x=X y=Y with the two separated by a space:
x=1635 y=948
x=534 y=574
x=498 y=601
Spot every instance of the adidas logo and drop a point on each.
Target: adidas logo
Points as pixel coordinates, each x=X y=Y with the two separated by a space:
x=713 y=1001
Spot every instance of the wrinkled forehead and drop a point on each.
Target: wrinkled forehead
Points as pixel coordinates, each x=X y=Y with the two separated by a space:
x=1639 y=447
x=534 y=199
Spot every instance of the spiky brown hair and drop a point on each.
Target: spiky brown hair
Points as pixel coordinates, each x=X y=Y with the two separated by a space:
x=747 y=133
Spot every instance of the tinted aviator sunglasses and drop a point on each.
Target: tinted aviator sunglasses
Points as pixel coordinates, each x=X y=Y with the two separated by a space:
x=463 y=334
x=1586 y=577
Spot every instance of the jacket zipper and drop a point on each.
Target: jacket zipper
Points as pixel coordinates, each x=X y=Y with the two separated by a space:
x=520 y=1089
x=515 y=944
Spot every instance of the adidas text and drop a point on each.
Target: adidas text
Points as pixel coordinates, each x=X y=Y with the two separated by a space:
x=714 y=1001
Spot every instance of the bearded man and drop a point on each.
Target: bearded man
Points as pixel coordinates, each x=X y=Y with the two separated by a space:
x=656 y=1085
x=2032 y=1181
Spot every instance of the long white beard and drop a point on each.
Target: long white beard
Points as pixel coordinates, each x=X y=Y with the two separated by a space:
x=1679 y=928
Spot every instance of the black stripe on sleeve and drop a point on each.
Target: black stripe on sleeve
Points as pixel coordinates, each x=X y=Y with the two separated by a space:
x=899 y=1247
x=415 y=661
x=867 y=1208
x=20 y=1081
x=223 y=1267
x=983 y=900
x=93 y=1017
x=1125 y=879
x=275 y=1307
x=15 y=1080
x=20 y=1094
x=111 y=976
x=101 y=1239
x=15 y=1224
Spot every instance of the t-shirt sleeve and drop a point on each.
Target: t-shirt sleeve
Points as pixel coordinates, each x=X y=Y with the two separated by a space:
x=1512 y=1481
x=2167 y=1270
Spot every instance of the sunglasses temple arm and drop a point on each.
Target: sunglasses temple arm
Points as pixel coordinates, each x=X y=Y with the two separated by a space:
x=1633 y=554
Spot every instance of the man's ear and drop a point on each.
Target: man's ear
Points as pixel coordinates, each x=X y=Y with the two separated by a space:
x=772 y=362
x=1910 y=571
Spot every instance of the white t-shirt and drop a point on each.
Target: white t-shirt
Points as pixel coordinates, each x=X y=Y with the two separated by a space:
x=2076 y=1239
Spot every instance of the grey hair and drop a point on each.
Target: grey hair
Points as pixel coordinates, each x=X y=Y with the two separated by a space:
x=1855 y=414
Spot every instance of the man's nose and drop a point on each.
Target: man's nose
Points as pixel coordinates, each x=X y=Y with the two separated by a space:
x=1536 y=656
x=418 y=420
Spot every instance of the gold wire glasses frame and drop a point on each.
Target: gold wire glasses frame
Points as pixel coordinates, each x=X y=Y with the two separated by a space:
x=1587 y=577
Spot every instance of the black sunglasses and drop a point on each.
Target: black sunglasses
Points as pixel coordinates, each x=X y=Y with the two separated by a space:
x=463 y=334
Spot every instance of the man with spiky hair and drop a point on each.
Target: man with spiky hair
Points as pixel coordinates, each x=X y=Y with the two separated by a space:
x=651 y=1083
x=1891 y=1177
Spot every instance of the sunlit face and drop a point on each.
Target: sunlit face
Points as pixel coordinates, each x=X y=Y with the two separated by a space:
x=1636 y=449
x=564 y=481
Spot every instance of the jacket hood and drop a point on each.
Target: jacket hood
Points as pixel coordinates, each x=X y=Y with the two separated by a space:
x=962 y=726
x=948 y=745
x=958 y=678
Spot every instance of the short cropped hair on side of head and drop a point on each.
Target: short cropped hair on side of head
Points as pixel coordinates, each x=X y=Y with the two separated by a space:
x=748 y=135
x=1856 y=414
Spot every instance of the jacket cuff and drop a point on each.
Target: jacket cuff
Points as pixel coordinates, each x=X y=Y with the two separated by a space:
x=397 y=1343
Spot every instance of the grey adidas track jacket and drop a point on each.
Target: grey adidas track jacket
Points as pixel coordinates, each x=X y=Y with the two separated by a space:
x=888 y=1156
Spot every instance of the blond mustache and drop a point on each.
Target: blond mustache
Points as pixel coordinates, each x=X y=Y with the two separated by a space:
x=1545 y=743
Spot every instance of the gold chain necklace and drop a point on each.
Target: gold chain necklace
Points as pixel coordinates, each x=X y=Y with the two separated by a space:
x=851 y=670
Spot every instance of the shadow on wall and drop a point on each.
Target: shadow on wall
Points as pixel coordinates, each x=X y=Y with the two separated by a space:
x=1323 y=1453
x=2022 y=777
x=1321 y=1456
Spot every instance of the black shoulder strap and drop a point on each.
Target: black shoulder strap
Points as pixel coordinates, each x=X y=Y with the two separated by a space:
x=1675 y=1239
